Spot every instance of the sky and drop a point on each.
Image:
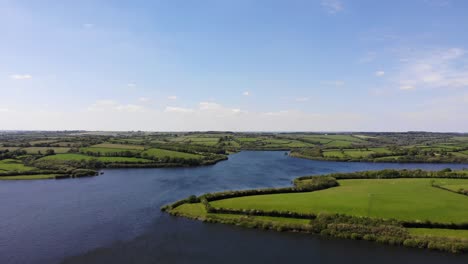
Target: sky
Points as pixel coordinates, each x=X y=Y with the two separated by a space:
x=238 y=65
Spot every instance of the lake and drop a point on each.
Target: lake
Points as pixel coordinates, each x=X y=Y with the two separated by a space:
x=115 y=218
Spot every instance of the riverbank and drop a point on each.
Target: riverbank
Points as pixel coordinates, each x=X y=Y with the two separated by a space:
x=392 y=207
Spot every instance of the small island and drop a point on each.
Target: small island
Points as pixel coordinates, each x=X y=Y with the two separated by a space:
x=413 y=208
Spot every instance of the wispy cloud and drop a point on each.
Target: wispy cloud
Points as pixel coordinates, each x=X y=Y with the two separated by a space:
x=446 y=68
x=379 y=73
x=21 y=76
x=131 y=85
x=144 y=99
x=88 y=25
x=175 y=109
x=108 y=105
x=246 y=93
x=332 y=6
x=172 y=97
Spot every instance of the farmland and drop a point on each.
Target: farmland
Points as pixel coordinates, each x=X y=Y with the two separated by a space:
x=66 y=151
x=411 y=210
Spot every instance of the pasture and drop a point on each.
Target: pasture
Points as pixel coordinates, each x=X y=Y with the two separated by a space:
x=402 y=199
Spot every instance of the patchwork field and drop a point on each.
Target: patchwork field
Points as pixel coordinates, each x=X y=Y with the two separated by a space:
x=403 y=199
x=161 y=153
x=79 y=157
x=8 y=165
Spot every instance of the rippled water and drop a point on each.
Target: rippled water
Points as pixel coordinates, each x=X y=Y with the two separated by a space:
x=115 y=218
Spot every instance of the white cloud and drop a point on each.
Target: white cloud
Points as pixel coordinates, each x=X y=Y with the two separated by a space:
x=435 y=69
x=88 y=25
x=113 y=106
x=144 y=99
x=332 y=6
x=246 y=93
x=406 y=87
x=174 y=109
x=209 y=106
x=4 y=110
x=302 y=99
x=172 y=97
x=131 y=85
x=379 y=73
x=21 y=76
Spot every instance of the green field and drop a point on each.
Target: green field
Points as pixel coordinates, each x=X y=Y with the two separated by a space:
x=107 y=150
x=30 y=177
x=161 y=153
x=439 y=232
x=453 y=185
x=118 y=146
x=79 y=157
x=403 y=199
x=9 y=165
x=36 y=150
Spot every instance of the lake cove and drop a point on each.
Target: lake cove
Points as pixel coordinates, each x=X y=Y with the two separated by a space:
x=116 y=218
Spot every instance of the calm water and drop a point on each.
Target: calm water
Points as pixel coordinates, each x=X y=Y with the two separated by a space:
x=115 y=218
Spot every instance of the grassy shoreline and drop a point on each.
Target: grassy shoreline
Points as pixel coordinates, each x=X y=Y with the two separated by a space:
x=408 y=212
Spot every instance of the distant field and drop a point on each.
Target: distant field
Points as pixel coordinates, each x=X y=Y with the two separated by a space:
x=161 y=153
x=353 y=153
x=439 y=232
x=35 y=150
x=453 y=184
x=404 y=199
x=30 y=177
x=107 y=150
x=78 y=157
x=118 y=146
x=13 y=165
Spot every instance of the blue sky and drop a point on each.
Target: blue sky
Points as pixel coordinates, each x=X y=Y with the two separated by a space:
x=242 y=65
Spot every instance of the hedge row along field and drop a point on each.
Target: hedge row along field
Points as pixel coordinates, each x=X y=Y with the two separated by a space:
x=393 y=207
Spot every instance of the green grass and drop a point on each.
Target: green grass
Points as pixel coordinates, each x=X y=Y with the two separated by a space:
x=79 y=157
x=197 y=210
x=107 y=150
x=30 y=177
x=8 y=165
x=453 y=184
x=35 y=150
x=160 y=153
x=439 y=232
x=122 y=147
x=403 y=199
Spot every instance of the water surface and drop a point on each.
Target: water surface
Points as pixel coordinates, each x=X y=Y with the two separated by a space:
x=115 y=218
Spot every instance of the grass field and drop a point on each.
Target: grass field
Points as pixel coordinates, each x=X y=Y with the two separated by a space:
x=403 y=199
x=36 y=150
x=160 y=153
x=79 y=157
x=198 y=210
x=118 y=146
x=453 y=185
x=13 y=165
x=30 y=177
x=439 y=232
x=107 y=150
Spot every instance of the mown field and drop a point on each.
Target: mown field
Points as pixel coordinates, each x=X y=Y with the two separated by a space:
x=161 y=153
x=80 y=157
x=7 y=165
x=402 y=199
